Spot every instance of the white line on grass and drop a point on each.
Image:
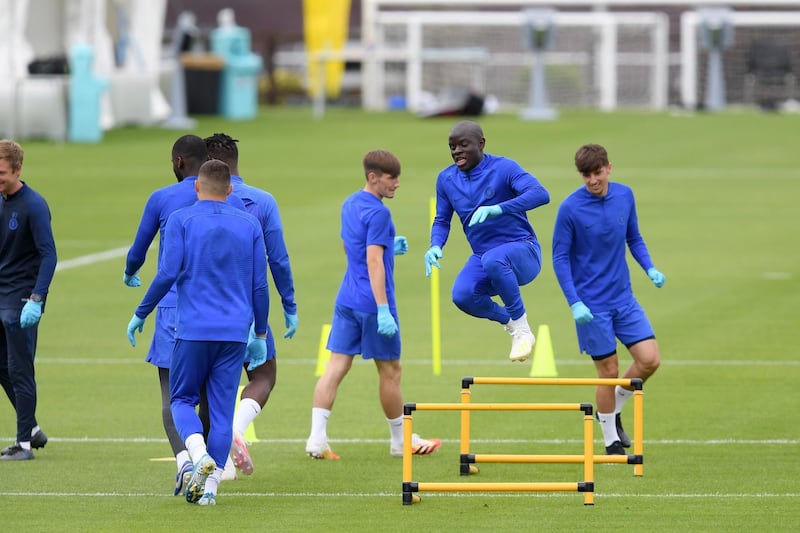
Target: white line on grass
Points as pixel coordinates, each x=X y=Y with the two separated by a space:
x=415 y=362
x=712 y=495
x=91 y=258
x=699 y=442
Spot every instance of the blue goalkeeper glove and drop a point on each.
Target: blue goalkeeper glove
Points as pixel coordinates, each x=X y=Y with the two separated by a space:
x=291 y=323
x=133 y=325
x=256 y=352
x=31 y=313
x=386 y=324
x=657 y=277
x=400 y=245
x=432 y=257
x=581 y=313
x=132 y=280
x=485 y=212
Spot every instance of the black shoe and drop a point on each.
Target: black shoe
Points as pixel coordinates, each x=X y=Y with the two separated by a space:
x=17 y=453
x=616 y=449
x=38 y=440
x=623 y=437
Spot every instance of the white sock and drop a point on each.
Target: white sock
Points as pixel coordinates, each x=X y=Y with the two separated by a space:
x=520 y=324
x=181 y=458
x=245 y=414
x=396 y=430
x=25 y=445
x=621 y=395
x=608 y=424
x=319 y=424
x=212 y=483
x=196 y=446
x=35 y=430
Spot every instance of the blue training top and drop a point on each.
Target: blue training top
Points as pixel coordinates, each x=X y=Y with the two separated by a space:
x=263 y=206
x=27 y=248
x=589 y=241
x=365 y=221
x=495 y=180
x=159 y=206
x=214 y=254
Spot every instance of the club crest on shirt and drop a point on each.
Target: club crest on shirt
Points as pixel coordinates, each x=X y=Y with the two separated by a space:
x=488 y=193
x=13 y=223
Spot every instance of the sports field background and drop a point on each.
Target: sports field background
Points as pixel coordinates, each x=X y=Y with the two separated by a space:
x=717 y=203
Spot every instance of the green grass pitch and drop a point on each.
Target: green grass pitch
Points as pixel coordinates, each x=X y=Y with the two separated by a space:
x=717 y=201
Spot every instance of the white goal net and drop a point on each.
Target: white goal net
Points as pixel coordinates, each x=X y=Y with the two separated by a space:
x=594 y=59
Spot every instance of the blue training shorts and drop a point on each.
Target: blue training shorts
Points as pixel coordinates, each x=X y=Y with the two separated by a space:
x=628 y=323
x=356 y=332
x=163 y=342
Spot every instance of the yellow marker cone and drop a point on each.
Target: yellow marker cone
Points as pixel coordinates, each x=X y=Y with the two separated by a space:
x=544 y=363
x=324 y=355
x=250 y=432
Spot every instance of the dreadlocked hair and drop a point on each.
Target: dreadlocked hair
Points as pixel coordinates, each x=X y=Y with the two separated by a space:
x=223 y=147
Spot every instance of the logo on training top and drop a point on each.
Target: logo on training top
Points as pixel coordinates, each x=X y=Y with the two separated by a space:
x=13 y=223
x=488 y=193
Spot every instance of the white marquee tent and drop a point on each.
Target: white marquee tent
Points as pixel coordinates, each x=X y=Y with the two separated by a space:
x=126 y=37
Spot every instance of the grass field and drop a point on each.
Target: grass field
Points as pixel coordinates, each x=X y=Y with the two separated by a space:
x=717 y=203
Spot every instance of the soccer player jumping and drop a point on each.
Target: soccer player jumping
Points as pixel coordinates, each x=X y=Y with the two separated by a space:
x=491 y=196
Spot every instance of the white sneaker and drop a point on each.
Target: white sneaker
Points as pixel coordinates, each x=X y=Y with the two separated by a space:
x=202 y=469
x=209 y=498
x=240 y=454
x=522 y=339
x=419 y=446
x=320 y=450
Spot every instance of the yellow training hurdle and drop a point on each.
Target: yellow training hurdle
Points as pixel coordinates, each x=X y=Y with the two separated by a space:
x=637 y=459
x=586 y=486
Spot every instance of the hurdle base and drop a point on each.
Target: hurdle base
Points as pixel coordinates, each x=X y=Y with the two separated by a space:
x=409 y=488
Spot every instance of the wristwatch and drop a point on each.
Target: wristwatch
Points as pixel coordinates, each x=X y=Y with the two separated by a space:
x=35 y=297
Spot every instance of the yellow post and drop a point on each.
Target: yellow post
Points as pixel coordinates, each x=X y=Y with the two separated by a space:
x=541 y=486
x=407 y=436
x=588 y=456
x=325 y=27
x=638 y=429
x=465 y=399
x=436 y=329
x=323 y=355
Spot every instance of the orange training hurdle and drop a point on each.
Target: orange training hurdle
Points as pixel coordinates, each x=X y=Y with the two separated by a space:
x=586 y=486
x=637 y=459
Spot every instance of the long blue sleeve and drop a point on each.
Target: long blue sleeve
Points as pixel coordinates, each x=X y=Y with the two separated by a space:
x=264 y=207
x=149 y=225
x=42 y=233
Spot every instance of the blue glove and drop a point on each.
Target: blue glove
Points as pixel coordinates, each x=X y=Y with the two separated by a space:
x=581 y=313
x=256 y=352
x=400 y=245
x=432 y=257
x=133 y=325
x=291 y=323
x=31 y=313
x=132 y=280
x=386 y=324
x=484 y=212
x=657 y=277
